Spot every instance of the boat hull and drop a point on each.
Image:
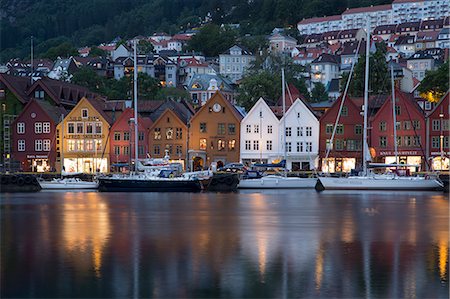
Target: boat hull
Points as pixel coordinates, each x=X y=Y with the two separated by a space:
x=141 y=185
x=273 y=182
x=370 y=183
x=68 y=186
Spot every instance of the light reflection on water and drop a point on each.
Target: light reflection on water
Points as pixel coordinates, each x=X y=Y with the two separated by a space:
x=247 y=244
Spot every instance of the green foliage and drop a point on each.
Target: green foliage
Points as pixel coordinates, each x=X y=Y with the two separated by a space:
x=379 y=76
x=96 y=52
x=318 y=93
x=65 y=49
x=172 y=93
x=258 y=85
x=435 y=84
x=144 y=47
x=212 y=40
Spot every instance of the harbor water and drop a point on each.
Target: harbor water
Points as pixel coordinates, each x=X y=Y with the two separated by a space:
x=248 y=244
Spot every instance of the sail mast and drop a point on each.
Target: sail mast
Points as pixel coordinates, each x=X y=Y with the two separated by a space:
x=284 y=111
x=366 y=98
x=394 y=117
x=135 y=107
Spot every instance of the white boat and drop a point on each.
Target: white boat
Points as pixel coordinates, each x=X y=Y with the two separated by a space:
x=277 y=182
x=67 y=184
x=367 y=180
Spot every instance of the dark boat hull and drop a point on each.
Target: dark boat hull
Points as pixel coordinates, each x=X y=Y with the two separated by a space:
x=130 y=185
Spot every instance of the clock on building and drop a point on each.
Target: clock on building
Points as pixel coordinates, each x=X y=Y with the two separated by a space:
x=217 y=107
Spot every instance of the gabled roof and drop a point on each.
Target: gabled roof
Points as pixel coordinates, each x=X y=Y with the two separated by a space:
x=143 y=122
x=300 y=102
x=17 y=85
x=388 y=28
x=432 y=24
x=349 y=48
x=99 y=105
x=202 y=81
x=446 y=96
x=52 y=111
x=326 y=58
x=405 y=40
x=411 y=25
x=237 y=114
x=427 y=36
x=244 y=50
x=433 y=53
x=178 y=108
x=262 y=102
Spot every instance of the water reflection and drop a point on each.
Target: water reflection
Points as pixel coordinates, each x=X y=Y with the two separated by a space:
x=263 y=244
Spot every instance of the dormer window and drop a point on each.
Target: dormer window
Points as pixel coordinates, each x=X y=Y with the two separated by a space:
x=39 y=94
x=84 y=113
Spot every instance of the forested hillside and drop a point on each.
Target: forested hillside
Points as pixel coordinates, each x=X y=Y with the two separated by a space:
x=89 y=22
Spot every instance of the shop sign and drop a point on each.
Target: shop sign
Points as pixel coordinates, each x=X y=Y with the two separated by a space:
x=85 y=136
x=439 y=153
x=400 y=153
x=37 y=157
x=79 y=118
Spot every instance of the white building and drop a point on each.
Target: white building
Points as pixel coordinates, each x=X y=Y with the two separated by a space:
x=279 y=43
x=234 y=62
x=416 y=10
x=324 y=69
x=357 y=17
x=260 y=139
x=319 y=25
x=300 y=127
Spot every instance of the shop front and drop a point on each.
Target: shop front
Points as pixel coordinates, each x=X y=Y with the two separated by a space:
x=86 y=165
x=404 y=157
x=440 y=161
x=37 y=163
x=332 y=165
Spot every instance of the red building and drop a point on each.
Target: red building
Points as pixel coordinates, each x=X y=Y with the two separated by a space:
x=410 y=124
x=34 y=136
x=345 y=153
x=122 y=138
x=438 y=130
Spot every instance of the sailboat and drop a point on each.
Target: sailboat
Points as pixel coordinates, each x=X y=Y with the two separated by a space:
x=153 y=179
x=67 y=181
x=281 y=181
x=368 y=180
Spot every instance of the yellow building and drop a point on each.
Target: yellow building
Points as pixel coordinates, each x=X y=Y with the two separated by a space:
x=85 y=135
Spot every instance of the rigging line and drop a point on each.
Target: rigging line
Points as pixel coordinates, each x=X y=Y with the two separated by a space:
x=342 y=103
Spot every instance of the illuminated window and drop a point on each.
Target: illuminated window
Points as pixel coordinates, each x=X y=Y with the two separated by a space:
x=221 y=144
x=169 y=133
x=157 y=133
x=71 y=145
x=89 y=145
x=80 y=145
x=203 y=144
x=231 y=145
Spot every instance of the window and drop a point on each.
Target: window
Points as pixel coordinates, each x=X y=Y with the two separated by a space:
x=256 y=145
x=232 y=145
x=126 y=150
x=248 y=145
x=328 y=129
x=98 y=128
x=398 y=125
x=116 y=150
x=340 y=130
x=126 y=136
x=308 y=147
x=46 y=145
x=39 y=94
x=178 y=133
x=344 y=111
x=436 y=125
x=288 y=131
x=435 y=142
x=156 y=150
x=71 y=145
x=80 y=128
x=298 y=114
x=21 y=145
x=351 y=145
x=339 y=144
x=89 y=128
x=288 y=147
x=89 y=145
x=202 y=127
x=38 y=145
x=399 y=141
x=406 y=125
x=299 y=131
x=38 y=128
x=382 y=126
x=269 y=145
x=445 y=145
x=220 y=129
x=256 y=128
x=299 y=147
x=84 y=113
x=269 y=129
x=46 y=127
x=179 y=150
x=157 y=134
x=308 y=131
x=397 y=110
x=445 y=124
x=117 y=136
x=141 y=150
x=383 y=141
x=231 y=129
x=358 y=129
x=98 y=144
x=21 y=128
x=221 y=145
x=80 y=145
x=169 y=133
x=248 y=129
x=203 y=143
x=417 y=141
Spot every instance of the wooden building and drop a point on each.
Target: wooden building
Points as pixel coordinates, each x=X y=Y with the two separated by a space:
x=214 y=133
x=438 y=131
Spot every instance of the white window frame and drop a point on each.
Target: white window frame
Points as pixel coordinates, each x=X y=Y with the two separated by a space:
x=82 y=113
x=21 y=128
x=46 y=145
x=38 y=145
x=21 y=145
x=46 y=127
x=38 y=128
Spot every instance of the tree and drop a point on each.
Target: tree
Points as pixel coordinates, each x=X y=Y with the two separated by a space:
x=258 y=85
x=435 y=84
x=212 y=40
x=144 y=47
x=88 y=78
x=172 y=93
x=97 y=52
x=318 y=93
x=65 y=49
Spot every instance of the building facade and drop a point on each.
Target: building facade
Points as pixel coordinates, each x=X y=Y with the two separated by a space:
x=438 y=131
x=214 y=133
x=83 y=143
x=234 y=62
